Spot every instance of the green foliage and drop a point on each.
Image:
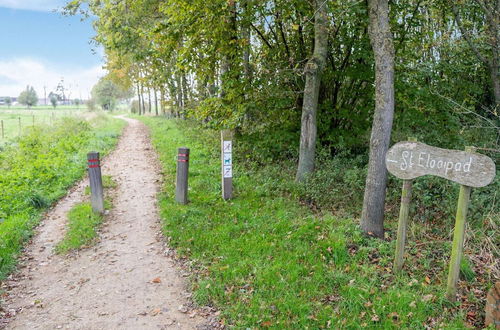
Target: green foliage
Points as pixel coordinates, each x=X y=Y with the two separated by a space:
x=264 y=261
x=28 y=97
x=37 y=168
x=106 y=93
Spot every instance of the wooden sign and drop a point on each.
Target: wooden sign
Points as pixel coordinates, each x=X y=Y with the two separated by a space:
x=410 y=160
x=227 y=164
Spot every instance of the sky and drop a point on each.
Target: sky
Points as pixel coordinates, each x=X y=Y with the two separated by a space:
x=40 y=47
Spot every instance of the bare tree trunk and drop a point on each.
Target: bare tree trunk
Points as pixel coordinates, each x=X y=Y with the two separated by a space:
x=149 y=100
x=156 y=101
x=313 y=70
x=372 y=218
x=142 y=100
x=139 y=96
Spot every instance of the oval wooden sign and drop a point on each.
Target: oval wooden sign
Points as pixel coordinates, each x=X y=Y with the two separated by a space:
x=410 y=160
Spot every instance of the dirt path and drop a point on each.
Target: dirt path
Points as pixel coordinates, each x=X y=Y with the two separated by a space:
x=126 y=281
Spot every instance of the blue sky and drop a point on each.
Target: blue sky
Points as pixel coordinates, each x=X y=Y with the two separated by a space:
x=39 y=47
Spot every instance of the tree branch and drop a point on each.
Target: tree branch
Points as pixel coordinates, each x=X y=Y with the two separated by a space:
x=466 y=35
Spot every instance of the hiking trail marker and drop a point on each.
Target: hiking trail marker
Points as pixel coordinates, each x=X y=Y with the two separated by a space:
x=227 y=163
x=410 y=160
x=95 y=182
x=181 y=186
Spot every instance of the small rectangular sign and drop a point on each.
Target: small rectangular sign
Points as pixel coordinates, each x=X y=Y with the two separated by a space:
x=228 y=146
x=228 y=171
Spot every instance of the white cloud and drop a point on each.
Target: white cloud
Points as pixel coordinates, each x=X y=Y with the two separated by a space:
x=16 y=74
x=39 y=5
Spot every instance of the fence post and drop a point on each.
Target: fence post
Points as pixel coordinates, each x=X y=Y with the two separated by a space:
x=181 y=191
x=19 y=126
x=227 y=163
x=458 y=239
x=3 y=133
x=95 y=179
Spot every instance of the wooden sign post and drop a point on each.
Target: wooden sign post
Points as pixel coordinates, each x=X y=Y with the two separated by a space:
x=410 y=160
x=181 y=187
x=95 y=180
x=227 y=163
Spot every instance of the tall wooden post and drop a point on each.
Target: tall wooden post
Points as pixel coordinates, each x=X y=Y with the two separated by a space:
x=458 y=239
x=95 y=178
x=181 y=191
x=227 y=164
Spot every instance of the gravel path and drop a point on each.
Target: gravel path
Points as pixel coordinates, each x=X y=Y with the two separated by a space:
x=126 y=281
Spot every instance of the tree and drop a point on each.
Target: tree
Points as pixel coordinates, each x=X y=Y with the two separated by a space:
x=53 y=100
x=313 y=72
x=106 y=93
x=28 y=97
x=8 y=101
x=372 y=218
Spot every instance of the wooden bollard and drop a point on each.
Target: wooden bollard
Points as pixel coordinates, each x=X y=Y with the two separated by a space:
x=227 y=164
x=95 y=179
x=458 y=239
x=181 y=187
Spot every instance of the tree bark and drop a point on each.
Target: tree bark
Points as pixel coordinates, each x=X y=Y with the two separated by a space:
x=372 y=218
x=139 y=96
x=156 y=101
x=313 y=70
x=149 y=100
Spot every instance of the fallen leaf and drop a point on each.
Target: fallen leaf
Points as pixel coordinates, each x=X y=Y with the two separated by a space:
x=427 y=280
x=155 y=312
x=427 y=297
x=156 y=280
x=375 y=318
x=266 y=324
x=368 y=304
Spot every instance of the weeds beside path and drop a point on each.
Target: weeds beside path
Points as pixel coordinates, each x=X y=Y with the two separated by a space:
x=125 y=280
x=265 y=261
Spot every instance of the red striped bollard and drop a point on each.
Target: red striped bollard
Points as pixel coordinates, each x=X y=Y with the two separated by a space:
x=181 y=191
x=95 y=179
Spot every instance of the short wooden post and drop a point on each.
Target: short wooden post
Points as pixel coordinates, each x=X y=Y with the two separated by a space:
x=181 y=187
x=227 y=164
x=19 y=126
x=95 y=179
x=3 y=132
x=458 y=239
x=404 y=212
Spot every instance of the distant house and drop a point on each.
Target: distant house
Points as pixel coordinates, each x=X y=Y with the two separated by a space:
x=3 y=98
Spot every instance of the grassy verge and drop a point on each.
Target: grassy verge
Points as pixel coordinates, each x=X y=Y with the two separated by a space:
x=38 y=168
x=83 y=223
x=265 y=261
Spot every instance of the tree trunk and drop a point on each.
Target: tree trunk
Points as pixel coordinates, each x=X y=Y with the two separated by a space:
x=313 y=70
x=149 y=100
x=156 y=101
x=372 y=218
x=139 y=97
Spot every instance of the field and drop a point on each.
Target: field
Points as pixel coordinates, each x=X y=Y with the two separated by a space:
x=19 y=119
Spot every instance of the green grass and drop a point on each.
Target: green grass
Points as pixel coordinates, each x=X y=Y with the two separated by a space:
x=107 y=183
x=38 y=168
x=83 y=225
x=265 y=261
x=40 y=116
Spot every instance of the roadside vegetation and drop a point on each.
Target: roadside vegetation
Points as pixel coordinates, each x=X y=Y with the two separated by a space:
x=38 y=168
x=83 y=224
x=272 y=257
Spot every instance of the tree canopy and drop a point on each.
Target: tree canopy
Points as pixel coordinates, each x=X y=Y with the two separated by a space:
x=28 y=97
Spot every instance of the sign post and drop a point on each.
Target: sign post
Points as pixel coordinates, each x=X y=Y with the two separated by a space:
x=410 y=160
x=458 y=239
x=95 y=180
x=227 y=164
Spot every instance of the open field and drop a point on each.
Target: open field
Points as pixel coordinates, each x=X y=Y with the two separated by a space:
x=16 y=120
